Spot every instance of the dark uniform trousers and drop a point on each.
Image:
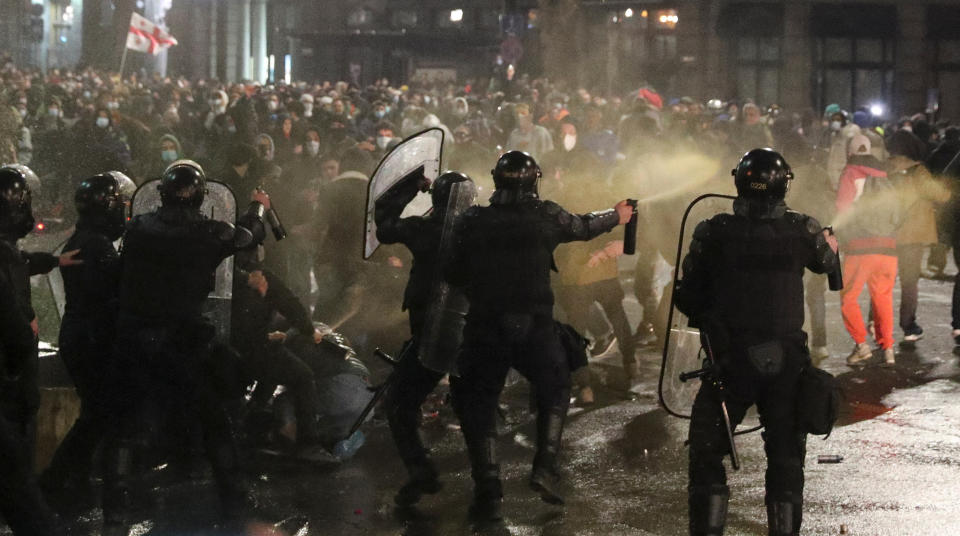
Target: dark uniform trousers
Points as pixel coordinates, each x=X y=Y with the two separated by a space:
x=161 y=365
x=785 y=445
x=410 y=389
x=491 y=346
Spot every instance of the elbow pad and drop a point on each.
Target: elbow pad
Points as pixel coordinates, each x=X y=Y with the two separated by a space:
x=601 y=221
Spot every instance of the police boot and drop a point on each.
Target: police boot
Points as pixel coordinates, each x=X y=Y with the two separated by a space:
x=423 y=481
x=485 y=510
x=708 y=509
x=783 y=518
x=117 y=495
x=545 y=478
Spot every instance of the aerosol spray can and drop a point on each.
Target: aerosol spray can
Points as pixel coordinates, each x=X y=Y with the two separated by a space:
x=835 y=278
x=630 y=232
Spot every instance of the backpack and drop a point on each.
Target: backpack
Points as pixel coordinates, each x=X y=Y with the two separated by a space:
x=878 y=210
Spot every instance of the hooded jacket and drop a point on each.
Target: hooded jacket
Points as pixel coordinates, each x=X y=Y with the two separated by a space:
x=858 y=170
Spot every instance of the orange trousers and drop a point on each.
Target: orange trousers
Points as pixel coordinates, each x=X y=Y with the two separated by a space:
x=879 y=273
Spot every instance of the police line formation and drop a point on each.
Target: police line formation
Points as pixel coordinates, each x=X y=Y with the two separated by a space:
x=143 y=309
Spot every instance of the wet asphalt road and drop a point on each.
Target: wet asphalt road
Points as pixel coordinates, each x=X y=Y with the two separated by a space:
x=626 y=466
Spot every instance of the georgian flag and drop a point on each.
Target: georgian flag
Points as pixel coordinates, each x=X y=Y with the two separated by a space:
x=145 y=36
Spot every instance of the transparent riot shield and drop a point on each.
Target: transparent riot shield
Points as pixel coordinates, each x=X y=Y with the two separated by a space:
x=443 y=326
x=219 y=204
x=682 y=352
x=57 y=290
x=421 y=150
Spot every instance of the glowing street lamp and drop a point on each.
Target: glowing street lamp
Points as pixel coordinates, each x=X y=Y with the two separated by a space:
x=628 y=13
x=456 y=15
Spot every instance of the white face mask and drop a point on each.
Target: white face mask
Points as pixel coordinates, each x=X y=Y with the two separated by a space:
x=272 y=105
x=23 y=113
x=569 y=142
x=308 y=109
x=835 y=125
x=53 y=112
x=908 y=128
x=383 y=141
x=103 y=122
x=313 y=147
x=113 y=105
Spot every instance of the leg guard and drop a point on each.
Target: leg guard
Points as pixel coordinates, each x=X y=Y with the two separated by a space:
x=545 y=478
x=487 y=491
x=708 y=510
x=784 y=517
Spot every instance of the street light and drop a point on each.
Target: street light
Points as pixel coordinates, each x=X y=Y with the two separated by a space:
x=876 y=110
x=456 y=15
x=628 y=13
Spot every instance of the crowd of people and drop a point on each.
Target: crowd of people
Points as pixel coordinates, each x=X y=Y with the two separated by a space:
x=886 y=186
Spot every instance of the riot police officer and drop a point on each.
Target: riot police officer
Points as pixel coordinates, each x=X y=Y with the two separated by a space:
x=169 y=259
x=758 y=345
x=414 y=381
x=89 y=324
x=502 y=257
x=21 y=503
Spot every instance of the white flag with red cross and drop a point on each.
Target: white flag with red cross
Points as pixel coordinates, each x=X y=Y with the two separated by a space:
x=145 y=36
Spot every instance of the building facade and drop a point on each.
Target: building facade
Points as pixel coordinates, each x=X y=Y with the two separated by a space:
x=900 y=55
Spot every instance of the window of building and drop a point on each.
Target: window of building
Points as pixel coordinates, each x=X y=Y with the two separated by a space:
x=404 y=18
x=360 y=17
x=853 y=54
x=756 y=48
x=943 y=34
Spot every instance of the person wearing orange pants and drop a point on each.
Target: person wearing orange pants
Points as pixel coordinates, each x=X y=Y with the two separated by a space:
x=879 y=273
x=867 y=204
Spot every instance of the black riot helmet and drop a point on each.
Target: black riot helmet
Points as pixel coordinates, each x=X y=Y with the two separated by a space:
x=444 y=184
x=103 y=203
x=17 y=182
x=762 y=174
x=183 y=185
x=516 y=170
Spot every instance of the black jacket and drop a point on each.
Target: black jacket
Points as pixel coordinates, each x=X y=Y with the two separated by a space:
x=743 y=274
x=421 y=235
x=170 y=257
x=18 y=346
x=253 y=313
x=503 y=253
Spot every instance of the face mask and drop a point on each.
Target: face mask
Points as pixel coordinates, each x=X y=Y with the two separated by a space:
x=460 y=112
x=53 y=112
x=86 y=94
x=232 y=129
x=113 y=105
x=379 y=114
x=103 y=122
x=272 y=106
x=23 y=113
x=557 y=105
x=386 y=110
x=308 y=109
x=383 y=141
x=168 y=156
x=569 y=142
x=426 y=100
x=313 y=147
x=835 y=125
x=908 y=128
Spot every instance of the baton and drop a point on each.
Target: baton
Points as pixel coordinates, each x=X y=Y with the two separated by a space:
x=380 y=390
x=721 y=393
